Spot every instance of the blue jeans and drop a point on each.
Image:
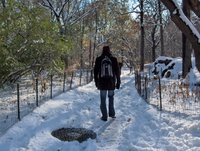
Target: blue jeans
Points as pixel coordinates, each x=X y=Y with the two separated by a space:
x=103 y=107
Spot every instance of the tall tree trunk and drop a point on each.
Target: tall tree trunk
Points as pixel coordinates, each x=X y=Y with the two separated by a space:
x=195 y=6
x=186 y=48
x=81 y=50
x=142 y=35
x=95 y=36
x=153 y=43
x=81 y=44
x=90 y=54
x=94 y=42
x=161 y=29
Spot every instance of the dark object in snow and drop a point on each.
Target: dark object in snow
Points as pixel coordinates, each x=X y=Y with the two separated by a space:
x=103 y=119
x=167 y=70
x=155 y=72
x=73 y=134
x=166 y=67
x=167 y=74
x=166 y=62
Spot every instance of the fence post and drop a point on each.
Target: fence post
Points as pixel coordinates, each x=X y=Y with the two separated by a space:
x=71 y=79
x=136 y=76
x=18 y=103
x=160 y=94
x=139 y=83
x=87 y=76
x=64 y=81
x=91 y=75
x=36 y=91
x=80 y=77
x=145 y=87
x=51 y=83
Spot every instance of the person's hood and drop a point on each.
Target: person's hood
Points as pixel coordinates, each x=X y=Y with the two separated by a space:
x=106 y=51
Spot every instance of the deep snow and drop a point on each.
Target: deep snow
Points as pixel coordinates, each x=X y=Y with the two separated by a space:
x=138 y=126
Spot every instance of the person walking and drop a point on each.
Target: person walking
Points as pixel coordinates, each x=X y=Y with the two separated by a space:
x=107 y=78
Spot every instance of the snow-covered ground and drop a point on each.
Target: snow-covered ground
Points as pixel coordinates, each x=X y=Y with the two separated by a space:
x=138 y=126
x=27 y=95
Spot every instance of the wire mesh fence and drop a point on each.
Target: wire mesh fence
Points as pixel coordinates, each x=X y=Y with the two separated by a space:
x=169 y=95
x=19 y=99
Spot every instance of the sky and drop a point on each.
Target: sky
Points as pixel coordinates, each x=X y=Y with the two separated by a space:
x=138 y=126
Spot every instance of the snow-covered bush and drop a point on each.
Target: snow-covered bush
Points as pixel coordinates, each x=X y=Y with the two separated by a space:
x=167 y=67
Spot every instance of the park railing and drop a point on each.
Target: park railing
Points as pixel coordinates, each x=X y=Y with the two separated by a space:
x=21 y=98
x=169 y=95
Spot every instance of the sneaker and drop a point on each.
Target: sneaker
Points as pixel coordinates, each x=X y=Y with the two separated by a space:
x=103 y=119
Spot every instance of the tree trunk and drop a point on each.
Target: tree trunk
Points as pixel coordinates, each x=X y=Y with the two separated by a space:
x=142 y=35
x=90 y=54
x=186 y=49
x=188 y=30
x=95 y=36
x=153 y=43
x=66 y=61
x=195 y=6
x=161 y=29
x=81 y=44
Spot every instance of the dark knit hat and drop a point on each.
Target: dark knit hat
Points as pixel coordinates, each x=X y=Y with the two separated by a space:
x=106 y=50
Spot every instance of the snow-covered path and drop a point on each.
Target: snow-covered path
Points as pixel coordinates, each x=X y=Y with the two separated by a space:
x=138 y=126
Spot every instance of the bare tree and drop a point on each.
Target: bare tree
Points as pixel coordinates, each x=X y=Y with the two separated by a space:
x=142 y=34
x=66 y=12
x=161 y=28
x=152 y=27
x=173 y=43
x=186 y=49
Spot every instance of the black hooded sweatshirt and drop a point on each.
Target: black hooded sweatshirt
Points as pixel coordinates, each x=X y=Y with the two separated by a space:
x=106 y=83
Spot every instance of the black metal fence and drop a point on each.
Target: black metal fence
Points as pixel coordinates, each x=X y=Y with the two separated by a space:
x=169 y=95
x=17 y=100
